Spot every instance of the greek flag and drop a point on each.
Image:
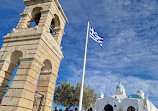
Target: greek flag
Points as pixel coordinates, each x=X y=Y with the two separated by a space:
x=93 y=35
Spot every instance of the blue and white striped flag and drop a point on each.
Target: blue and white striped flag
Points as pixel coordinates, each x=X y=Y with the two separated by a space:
x=94 y=35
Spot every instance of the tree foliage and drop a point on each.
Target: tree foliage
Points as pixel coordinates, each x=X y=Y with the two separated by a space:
x=63 y=94
x=68 y=95
x=89 y=96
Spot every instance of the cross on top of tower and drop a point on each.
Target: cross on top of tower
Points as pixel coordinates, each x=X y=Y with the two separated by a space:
x=119 y=81
x=109 y=94
x=141 y=86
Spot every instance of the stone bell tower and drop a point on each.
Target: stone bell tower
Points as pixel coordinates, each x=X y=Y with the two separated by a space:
x=33 y=51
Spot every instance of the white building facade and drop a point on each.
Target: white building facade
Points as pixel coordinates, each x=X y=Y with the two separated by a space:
x=121 y=102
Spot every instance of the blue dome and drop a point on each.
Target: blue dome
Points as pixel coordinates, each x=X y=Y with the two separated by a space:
x=140 y=91
x=135 y=96
x=101 y=93
x=120 y=87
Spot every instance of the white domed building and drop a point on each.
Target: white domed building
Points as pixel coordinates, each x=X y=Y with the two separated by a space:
x=121 y=102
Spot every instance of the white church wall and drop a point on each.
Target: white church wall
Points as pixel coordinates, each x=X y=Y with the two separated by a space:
x=105 y=101
x=150 y=106
x=130 y=102
x=120 y=102
x=142 y=105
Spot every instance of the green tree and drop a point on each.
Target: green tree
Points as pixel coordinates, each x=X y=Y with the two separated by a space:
x=68 y=95
x=63 y=94
x=89 y=96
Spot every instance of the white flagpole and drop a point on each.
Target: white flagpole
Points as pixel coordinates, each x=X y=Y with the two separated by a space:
x=84 y=66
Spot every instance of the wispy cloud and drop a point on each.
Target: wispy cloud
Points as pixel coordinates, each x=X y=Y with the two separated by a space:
x=130 y=46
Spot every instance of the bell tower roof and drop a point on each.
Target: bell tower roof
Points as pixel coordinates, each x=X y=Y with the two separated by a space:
x=140 y=91
x=33 y=2
x=101 y=95
x=120 y=86
x=120 y=90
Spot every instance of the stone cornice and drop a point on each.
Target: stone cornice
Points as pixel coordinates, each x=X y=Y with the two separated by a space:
x=27 y=59
x=14 y=37
x=23 y=38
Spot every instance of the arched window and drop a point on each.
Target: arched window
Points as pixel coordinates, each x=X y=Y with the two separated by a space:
x=131 y=108
x=36 y=16
x=10 y=73
x=55 y=25
x=108 y=107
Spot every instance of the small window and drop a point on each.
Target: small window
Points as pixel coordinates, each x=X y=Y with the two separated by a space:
x=131 y=108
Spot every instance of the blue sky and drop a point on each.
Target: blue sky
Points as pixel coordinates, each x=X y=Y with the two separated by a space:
x=130 y=48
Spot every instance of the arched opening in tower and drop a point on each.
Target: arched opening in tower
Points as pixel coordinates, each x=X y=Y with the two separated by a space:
x=36 y=16
x=43 y=86
x=52 y=27
x=55 y=25
x=10 y=73
x=35 y=20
